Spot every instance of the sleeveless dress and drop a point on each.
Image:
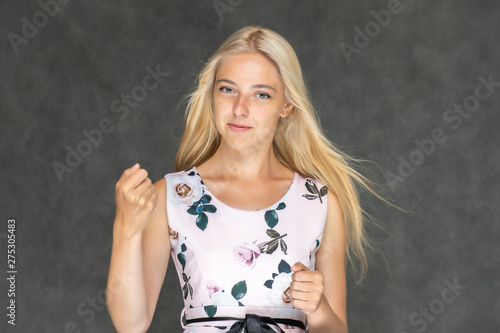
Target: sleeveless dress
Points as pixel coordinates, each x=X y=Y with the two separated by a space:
x=231 y=261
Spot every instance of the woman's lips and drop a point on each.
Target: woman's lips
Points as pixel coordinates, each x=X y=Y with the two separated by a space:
x=238 y=128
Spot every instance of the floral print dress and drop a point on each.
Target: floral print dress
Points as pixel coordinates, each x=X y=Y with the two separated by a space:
x=233 y=261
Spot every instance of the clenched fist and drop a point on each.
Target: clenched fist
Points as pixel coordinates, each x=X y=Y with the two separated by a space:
x=306 y=288
x=136 y=200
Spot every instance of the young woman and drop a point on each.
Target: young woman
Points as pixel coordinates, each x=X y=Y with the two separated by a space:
x=258 y=217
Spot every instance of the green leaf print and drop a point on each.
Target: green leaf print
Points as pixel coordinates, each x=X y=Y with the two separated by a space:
x=323 y=191
x=192 y=210
x=281 y=206
x=209 y=208
x=206 y=198
x=284 y=267
x=202 y=221
x=271 y=218
x=183 y=247
x=271 y=247
x=283 y=246
x=182 y=260
x=201 y=207
x=313 y=189
x=210 y=310
x=272 y=233
x=239 y=290
x=187 y=289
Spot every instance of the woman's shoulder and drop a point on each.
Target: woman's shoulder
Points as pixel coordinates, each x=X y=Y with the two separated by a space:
x=311 y=181
x=182 y=186
x=179 y=174
x=189 y=176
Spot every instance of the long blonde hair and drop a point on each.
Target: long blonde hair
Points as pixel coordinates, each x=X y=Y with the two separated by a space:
x=299 y=143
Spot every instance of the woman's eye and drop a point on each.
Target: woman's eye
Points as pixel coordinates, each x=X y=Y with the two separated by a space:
x=226 y=89
x=263 y=96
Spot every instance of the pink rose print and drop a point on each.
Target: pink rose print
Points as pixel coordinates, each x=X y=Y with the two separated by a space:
x=212 y=288
x=246 y=254
x=184 y=190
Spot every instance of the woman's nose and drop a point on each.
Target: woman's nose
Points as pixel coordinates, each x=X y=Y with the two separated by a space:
x=240 y=106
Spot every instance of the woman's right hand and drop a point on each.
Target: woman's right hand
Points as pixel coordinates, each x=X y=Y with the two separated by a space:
x=136 y=200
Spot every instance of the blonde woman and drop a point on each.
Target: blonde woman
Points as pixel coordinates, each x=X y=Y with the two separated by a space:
x=259 y=215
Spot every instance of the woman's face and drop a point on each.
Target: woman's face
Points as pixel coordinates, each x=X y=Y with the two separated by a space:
x=248 y=100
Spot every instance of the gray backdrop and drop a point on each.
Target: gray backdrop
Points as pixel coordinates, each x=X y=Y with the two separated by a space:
x=403 y=84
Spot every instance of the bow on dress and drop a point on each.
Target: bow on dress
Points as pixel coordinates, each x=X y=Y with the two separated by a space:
x=254 y=324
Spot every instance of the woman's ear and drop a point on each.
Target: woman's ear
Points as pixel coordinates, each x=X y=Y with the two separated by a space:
x=287 y=108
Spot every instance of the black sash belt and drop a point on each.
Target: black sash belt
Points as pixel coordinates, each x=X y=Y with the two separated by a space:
x=252 y=323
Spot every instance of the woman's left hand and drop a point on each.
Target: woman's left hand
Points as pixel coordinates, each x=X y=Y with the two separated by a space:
x=306 y=288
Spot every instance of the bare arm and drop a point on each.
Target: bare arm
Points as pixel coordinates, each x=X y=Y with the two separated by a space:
x=140 y=251
x=321 y=293
x=331 y=315
x=156 y=250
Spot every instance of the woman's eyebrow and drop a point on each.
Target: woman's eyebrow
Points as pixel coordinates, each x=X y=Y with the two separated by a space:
x=260 y=85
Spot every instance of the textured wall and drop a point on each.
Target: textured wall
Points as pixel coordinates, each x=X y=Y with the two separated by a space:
x=405 y=88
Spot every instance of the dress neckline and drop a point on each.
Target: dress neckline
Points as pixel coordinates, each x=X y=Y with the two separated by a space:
x=294 y=181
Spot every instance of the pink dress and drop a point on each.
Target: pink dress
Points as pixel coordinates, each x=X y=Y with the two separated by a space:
x=231 y=261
